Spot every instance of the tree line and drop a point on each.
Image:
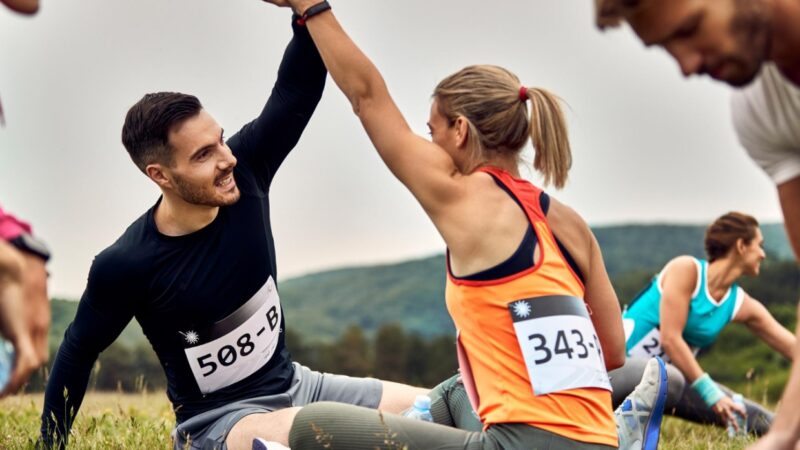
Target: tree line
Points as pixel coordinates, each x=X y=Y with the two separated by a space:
x=391 y=354
x=391 y=351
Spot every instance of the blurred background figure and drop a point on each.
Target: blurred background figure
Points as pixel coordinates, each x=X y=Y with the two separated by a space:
x=753 y=46
x=684 y=309
x=24 y=305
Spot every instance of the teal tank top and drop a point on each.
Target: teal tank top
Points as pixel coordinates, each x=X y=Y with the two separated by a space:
x=706 y=318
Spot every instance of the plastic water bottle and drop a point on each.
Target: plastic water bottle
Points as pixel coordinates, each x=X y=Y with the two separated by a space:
x=421 y=409
x=6 y=362
x=741 y=420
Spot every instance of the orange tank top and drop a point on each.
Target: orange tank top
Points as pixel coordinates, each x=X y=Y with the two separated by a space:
x=528 y=352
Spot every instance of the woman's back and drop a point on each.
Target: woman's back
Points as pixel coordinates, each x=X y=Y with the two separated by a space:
x=527 y=337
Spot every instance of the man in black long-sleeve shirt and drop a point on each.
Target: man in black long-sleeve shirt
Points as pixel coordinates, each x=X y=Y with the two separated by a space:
x=198 y=273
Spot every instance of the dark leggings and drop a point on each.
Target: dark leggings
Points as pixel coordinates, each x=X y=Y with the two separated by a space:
x=337 y=426
x=682 y=400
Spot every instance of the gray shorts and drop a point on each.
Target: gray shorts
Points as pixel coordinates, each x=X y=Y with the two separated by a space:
x=208 y=430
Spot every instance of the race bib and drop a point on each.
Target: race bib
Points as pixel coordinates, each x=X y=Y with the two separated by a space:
x=559 y=344
x=650 y=346
x=238 y=345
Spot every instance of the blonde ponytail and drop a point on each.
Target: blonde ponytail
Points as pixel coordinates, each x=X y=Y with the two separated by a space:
x=490 y=99
x=553 y=157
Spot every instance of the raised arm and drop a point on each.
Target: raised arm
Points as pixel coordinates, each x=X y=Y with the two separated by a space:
x=266 y=141
x=425 y=168
x=97 y=324
x=753 y=314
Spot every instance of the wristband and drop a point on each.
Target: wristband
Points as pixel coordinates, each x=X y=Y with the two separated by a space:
x=29 y=244
x=708 y=390
x=313 y=11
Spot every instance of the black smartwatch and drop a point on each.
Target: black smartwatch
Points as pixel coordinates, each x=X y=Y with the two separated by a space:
x=312 y=11
x=29 y=244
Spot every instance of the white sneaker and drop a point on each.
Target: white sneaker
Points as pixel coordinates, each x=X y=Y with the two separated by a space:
x=260 y=444
x=639 y=416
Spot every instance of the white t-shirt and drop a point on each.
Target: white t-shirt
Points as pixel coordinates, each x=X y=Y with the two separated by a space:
x=766 y=115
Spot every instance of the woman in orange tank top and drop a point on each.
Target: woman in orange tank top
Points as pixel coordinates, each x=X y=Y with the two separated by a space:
x=534 y=359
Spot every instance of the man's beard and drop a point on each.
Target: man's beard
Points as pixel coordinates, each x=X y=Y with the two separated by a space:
x=198 y=196
x=752 y=31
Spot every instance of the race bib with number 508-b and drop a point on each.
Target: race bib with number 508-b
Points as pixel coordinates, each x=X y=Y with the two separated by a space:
x=558 y=343
x=238 y=345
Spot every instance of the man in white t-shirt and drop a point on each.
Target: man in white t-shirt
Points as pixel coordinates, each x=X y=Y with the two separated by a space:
x=753 y=45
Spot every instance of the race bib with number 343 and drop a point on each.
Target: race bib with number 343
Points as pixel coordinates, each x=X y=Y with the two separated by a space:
x=558 y=343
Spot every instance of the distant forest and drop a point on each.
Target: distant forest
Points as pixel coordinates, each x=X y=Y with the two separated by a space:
x=389 y=321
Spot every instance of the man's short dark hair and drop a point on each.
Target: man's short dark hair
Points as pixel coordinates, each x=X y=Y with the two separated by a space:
x=145 y=133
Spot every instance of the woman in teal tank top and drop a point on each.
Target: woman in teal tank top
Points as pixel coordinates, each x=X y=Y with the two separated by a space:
x=685 y=308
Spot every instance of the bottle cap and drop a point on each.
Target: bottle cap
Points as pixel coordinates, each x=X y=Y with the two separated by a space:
x=422 y=402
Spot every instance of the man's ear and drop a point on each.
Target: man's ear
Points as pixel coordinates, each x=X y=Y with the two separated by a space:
x=159 y=174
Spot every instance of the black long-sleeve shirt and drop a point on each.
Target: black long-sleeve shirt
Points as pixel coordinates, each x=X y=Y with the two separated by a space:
x=206 y=301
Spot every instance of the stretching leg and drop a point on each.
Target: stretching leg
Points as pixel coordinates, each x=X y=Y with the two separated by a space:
x=337 y=426
x=450 y=405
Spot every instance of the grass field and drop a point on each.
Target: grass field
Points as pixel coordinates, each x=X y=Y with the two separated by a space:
x=110 y=421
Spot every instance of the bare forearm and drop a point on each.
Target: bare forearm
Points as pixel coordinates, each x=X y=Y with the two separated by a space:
x=787 y=419
x=682 y=357
x=352 y=71
x=789 y=195
x=780 y=339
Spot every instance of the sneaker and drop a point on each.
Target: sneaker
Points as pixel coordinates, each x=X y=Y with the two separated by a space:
x=261 y=444
x=639 y=416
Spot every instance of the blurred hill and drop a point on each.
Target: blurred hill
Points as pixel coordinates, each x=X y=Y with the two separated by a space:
x=390 y=320
x=320 y=306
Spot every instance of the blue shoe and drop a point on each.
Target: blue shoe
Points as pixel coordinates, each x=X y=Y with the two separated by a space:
x=639 y=416
x=261 y=444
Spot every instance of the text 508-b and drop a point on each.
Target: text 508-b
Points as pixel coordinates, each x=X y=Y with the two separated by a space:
x=228 y=354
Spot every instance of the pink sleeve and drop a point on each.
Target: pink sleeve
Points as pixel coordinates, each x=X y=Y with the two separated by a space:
x=11 y=227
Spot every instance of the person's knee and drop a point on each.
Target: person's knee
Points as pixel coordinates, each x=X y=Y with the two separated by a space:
x=446 y=387
x=37 y=303
x=397 y=397
x=310 y=426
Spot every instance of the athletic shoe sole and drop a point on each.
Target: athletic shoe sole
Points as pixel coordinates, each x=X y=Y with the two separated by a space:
x=653 y=429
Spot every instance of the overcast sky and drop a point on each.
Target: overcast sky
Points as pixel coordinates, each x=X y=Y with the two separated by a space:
x=648 y=145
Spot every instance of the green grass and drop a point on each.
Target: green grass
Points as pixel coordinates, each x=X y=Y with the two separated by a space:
x=677 y=434
x=107 y=421
x=111 y=421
